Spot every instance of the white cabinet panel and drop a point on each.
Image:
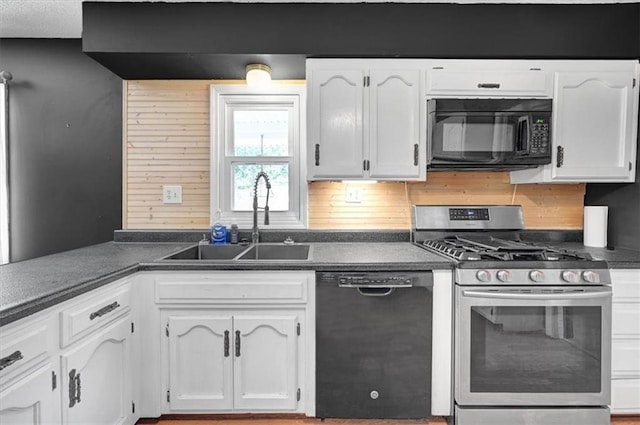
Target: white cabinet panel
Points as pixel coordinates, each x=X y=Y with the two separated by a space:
x=626 y=320
x=265 y=369
x=395 y=122
x=593 y=125
x=625 y=396
x=335 y=120
x=625 y=358
x=625 y=344
x=32 y=401
x=366 y=118
x=23 y=347
x=200 y=364
x=96 y=378
x=488 y=82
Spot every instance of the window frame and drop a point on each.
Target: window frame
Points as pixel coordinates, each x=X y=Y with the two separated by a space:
x=223 y=100
x=4 y=174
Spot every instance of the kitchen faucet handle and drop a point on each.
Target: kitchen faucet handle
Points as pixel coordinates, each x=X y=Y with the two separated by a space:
x=288 y=241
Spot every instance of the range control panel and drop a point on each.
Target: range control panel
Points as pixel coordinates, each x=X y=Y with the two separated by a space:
x=458 y=214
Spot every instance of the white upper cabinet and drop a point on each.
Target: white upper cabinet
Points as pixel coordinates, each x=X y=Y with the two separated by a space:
x=594 y=125
x=488 y=78
x=335 y=120
x=366 y=120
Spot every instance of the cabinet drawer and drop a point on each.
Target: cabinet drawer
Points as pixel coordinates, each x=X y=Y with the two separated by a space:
x=625 y=358
x=626 y=285
x=626 y=319
x=625 y=396
x=232 y=288
x=23 y=347
x=84 y=317
x=487 y=82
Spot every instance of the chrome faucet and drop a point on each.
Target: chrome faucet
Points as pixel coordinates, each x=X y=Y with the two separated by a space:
x=254 y=231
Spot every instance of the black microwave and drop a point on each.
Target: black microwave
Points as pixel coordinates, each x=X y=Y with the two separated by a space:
x=478 y=134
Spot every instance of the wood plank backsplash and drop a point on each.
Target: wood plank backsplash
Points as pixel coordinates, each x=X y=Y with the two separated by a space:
x=166 y=132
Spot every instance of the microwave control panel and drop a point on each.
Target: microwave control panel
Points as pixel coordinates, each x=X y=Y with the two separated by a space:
x=539 y=135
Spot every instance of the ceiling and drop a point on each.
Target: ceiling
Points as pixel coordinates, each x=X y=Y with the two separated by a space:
x=63 y=18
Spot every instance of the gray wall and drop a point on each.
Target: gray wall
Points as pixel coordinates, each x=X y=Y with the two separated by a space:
x=65 y=135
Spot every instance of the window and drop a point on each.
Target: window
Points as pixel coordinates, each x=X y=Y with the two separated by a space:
x=4 y=181
x=256 y=130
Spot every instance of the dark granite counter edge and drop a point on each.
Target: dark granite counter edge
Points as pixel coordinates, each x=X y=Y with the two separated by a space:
x=309 y=235
x=196 y=265
x=11 y=314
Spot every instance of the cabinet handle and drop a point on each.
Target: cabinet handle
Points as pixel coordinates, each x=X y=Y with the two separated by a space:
x=237 y=343
x=317 y=154
x=489 y=85
x=415 y=154
x=104 y=310
x=74 y=388
x=560 y=157
x=10 y=359
x=226 y=343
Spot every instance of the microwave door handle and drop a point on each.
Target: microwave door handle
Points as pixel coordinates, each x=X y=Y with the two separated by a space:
x=529 y=296
x=522 y=145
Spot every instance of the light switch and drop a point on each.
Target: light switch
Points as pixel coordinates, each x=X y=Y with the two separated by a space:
x=171 y=194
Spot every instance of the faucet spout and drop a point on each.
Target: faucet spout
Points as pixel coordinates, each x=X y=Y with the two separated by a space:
x=255 y=235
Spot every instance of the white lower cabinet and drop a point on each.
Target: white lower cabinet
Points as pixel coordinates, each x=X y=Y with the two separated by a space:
x=625 y=347
x=224 y=361
x=33 y=400
x=235 y=342
x=71 y=363
x=96 y=378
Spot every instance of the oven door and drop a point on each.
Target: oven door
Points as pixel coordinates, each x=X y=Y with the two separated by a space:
x=542 y=346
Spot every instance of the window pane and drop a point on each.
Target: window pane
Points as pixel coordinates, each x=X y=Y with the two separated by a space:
x=261 y=133
x=244 y=176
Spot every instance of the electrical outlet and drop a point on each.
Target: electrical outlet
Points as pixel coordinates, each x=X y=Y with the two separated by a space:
x=353 y=195
x=171 y=194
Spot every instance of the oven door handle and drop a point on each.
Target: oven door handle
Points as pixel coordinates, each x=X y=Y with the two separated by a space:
x=538 y=296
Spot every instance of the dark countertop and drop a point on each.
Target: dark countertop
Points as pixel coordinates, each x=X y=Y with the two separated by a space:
x=618 y=258
x=29 y=286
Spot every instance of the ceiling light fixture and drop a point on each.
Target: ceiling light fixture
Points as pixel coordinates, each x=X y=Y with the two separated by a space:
x=258 y=74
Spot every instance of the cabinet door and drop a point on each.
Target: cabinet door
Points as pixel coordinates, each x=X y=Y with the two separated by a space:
x=265 y=362
x=594 y=126
x=200 y=362
x=32 y=401
x=96 y=378
x=394 y=117
x=335 y=123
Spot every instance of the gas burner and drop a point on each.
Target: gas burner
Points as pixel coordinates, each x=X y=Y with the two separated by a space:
x=489 y=248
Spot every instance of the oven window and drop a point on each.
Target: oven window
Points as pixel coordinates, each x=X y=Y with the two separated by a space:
x=536 y=349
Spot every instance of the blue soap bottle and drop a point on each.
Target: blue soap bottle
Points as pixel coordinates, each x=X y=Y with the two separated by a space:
x=218 y=231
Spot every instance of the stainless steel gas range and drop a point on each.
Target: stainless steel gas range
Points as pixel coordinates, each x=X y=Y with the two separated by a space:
x=532 y=331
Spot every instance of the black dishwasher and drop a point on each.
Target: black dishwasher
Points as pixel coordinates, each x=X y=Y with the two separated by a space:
x=373 y=345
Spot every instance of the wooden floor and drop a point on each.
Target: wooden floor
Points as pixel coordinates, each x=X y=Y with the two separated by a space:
x=617 y=420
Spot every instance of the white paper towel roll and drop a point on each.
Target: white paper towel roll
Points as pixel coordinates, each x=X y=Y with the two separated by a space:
x=595 y=226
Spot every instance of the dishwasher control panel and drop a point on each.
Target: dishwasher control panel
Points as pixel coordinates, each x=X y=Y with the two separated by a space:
x=374 y=280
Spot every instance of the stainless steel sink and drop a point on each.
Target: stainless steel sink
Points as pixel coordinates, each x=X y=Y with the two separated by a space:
x=299 y=252
x=260 y=252
x=209 y=252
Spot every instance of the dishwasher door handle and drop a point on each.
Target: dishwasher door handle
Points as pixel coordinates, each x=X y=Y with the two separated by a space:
x=375 y=292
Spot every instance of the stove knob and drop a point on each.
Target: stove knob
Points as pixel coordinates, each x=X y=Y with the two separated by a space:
x=536 y=275
x=504 y=276
x=483 y=275
x=570 y=276
x=591 y=276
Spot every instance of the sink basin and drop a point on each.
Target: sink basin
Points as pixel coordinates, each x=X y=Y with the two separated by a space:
x=277 y=252
x=209 y=252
